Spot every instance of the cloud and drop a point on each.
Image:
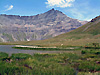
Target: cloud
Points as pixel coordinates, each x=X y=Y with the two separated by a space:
x=59 y=3
x=79 y=14
x=8 y=7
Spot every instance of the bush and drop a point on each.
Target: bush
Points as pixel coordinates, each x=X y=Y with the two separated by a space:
x=97 y=53
x=83 y=52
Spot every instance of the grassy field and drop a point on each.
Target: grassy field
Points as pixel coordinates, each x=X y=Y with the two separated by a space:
x=86 y=63
x=58 y=41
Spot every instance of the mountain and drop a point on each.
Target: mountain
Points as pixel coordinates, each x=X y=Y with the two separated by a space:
x=84 y=35
x=37 y=27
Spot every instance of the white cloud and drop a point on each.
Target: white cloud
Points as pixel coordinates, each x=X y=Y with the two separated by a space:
x=8 y=7
x=79 y=14
x=59 y=3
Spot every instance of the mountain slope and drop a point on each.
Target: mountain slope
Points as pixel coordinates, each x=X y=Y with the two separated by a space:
x=92 y=27
x=86 y=34
x=38 y=27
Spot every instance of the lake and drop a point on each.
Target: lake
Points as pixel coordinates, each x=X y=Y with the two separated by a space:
x=8 y=49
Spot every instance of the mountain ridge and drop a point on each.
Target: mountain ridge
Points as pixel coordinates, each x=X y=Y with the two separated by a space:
x=37 y=27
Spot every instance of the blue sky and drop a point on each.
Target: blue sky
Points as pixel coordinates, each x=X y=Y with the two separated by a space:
x=78 y=9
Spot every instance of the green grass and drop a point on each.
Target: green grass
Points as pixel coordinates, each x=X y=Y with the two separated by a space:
x=3 y=55
x=91 y=51
x=50 y=64
x=88 y=73
x=38 y=64
x=20 y=56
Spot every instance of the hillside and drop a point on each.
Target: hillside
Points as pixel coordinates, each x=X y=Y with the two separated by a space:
x=92 y=27
x=84 y=35
x=37 y=27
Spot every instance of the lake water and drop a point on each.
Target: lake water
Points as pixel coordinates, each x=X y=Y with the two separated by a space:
x=8 y=49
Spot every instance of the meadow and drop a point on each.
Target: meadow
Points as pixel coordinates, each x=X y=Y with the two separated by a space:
x=85 y=63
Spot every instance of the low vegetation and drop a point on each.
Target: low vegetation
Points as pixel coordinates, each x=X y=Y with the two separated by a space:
x=88 y=63
x=38 y=64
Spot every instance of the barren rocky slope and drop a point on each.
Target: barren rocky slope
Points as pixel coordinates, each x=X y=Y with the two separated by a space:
x=37 y=27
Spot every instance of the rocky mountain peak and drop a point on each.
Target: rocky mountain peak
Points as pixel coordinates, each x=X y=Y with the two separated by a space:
x=54 y=11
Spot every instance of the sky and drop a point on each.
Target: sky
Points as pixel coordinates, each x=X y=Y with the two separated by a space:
x=77 y=9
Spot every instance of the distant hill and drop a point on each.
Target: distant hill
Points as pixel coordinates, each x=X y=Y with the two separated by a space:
x=37 y=27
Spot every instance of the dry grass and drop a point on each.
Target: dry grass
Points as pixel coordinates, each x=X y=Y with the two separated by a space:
x=59 y=42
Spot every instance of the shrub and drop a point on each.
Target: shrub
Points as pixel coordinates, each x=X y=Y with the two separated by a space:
x=83 y=52
x=97 y=53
